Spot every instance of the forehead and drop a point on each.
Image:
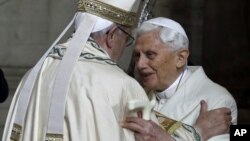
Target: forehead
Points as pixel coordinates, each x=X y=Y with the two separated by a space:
x=149 y=41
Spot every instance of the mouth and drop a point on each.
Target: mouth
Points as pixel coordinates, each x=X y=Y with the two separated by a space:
x=145 y=76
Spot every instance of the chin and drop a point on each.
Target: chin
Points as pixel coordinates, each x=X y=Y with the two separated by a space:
x=148 y=85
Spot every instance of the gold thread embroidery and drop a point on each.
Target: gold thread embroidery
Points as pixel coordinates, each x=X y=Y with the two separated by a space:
x=54 y=137
x=167 y=124
x=16 y=132
x=109 y=12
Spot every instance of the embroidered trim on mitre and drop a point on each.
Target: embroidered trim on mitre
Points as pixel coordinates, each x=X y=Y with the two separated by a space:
x=16 y=132
x=54 y=137
x=106 y=11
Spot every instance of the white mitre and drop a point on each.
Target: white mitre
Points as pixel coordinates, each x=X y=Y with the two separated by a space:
x=165 y=22
x=107 y=12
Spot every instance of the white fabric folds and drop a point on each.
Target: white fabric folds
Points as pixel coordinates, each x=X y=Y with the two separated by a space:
x=56 y=114
x=25 y=93
x=60 y=90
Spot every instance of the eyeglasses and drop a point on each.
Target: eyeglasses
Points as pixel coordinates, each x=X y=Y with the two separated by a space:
x=130 y=40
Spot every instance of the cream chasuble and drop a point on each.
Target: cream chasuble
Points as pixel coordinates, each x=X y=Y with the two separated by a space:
x=95 y=104
x=183 y=105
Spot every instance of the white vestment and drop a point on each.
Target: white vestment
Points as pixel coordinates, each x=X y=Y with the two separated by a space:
x=184 y=104
x=96 y=101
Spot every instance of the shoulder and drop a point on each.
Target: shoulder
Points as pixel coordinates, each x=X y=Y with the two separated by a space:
x=105 y=73
x=205 y=85
x=215 y=94
x=218 y=96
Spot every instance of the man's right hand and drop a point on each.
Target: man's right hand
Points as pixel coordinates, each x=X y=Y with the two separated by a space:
x=146 y=130
x=213 y=122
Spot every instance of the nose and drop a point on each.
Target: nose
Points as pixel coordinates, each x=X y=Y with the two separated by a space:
x=141 y=63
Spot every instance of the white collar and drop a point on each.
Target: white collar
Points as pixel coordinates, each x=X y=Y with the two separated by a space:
x=167 y=93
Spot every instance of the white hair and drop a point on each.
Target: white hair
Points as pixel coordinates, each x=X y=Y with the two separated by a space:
x=168 y=36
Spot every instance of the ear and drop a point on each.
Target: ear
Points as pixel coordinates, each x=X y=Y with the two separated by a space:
x=111 y=37
x=182 y=57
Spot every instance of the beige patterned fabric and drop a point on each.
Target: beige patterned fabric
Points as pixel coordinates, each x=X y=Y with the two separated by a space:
x=168 y=124
x=177 y=129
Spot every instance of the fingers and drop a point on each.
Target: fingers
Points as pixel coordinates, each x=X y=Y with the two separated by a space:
x=223 y=128
x=213 y=122
x=228 y=122
x=224 y=119
x=223 y=110
x=228 y=118
x=223 y=115
x=136 y=120
x=132 y=126
x=203 y=106
x=134 y=123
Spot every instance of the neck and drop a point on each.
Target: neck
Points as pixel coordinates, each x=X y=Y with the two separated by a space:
x=175 y=82
x=180 y=78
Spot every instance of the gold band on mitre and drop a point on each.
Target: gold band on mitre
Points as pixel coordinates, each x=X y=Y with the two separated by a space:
x=108 y=12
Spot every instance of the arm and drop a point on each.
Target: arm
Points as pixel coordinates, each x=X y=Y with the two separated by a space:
x=211 y=123
x=171 y=130
x=215 y=105
x=146 y=130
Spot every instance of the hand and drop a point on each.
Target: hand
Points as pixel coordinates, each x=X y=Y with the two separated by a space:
x=146 y=130
x=213 y=122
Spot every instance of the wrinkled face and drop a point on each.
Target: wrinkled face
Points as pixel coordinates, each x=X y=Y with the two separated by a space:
x=155 y=62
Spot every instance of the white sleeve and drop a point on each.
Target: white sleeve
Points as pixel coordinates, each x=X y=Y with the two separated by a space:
x=186 y=133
